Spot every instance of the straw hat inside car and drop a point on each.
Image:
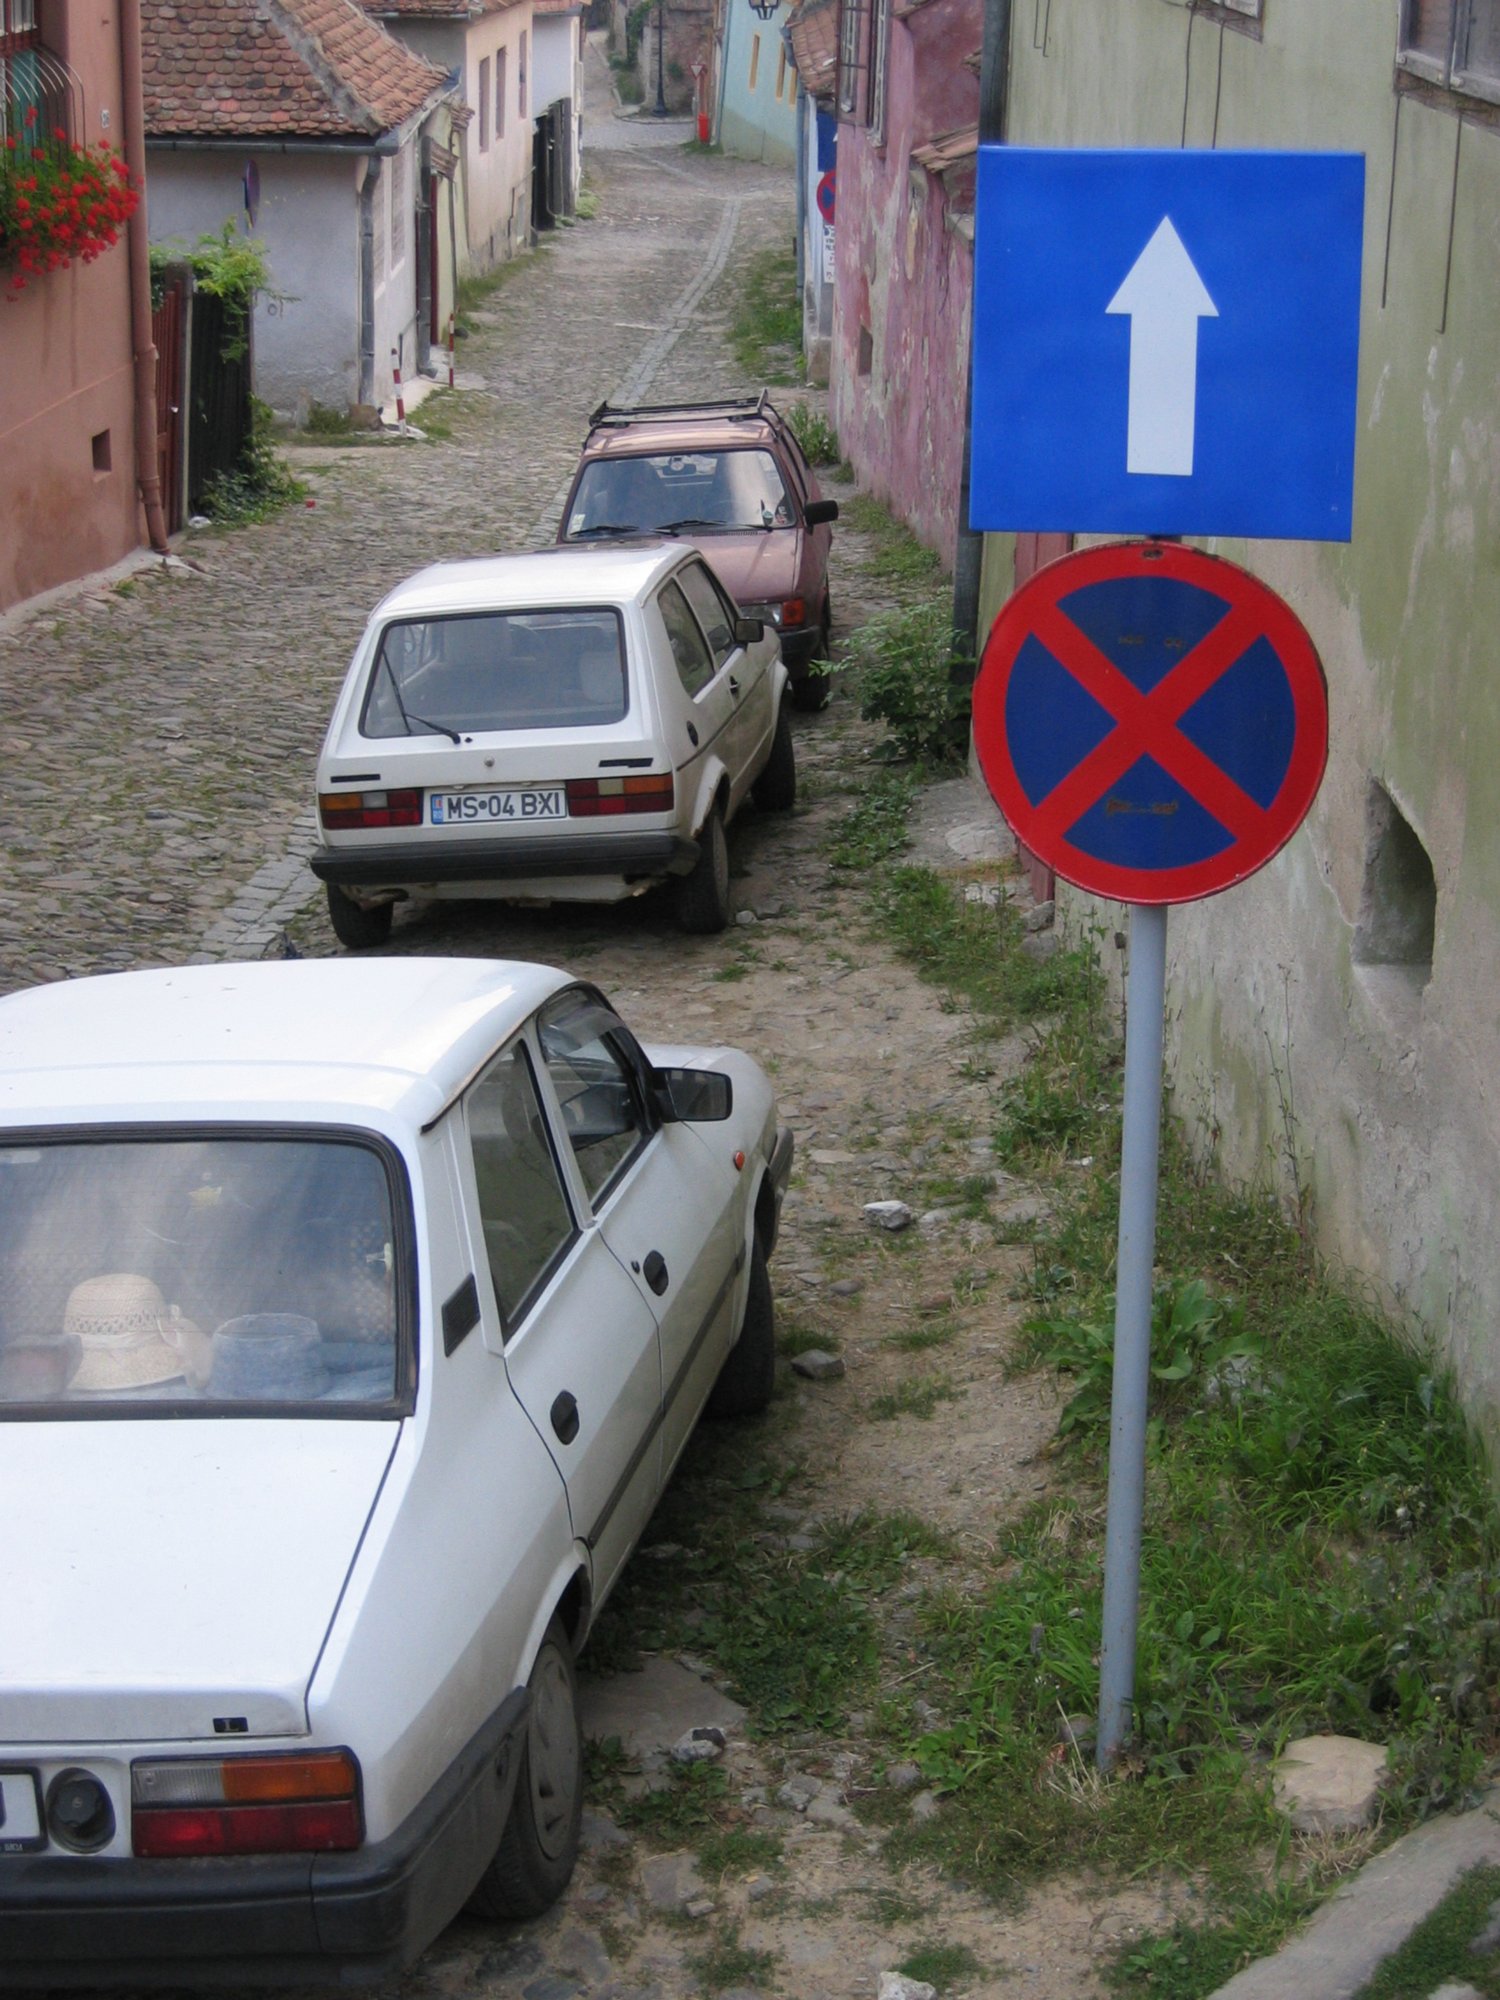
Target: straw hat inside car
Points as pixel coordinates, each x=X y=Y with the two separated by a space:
x=130 y=1339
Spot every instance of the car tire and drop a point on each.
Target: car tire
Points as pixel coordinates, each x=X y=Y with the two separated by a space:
x=703 y=895
x=749 y=1373
x=814 y=685
x=354 y=926
x=539 y=1847
x=775 y=790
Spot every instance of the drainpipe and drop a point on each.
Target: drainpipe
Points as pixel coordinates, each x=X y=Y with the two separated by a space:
x=367 y=280
x=968 y=559
x=138 y=251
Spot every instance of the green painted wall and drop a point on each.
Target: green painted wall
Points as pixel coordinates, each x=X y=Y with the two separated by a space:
x=1395 y=1081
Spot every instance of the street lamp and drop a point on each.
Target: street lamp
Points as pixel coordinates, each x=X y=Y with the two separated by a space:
x=764 y=8
x=659 y=109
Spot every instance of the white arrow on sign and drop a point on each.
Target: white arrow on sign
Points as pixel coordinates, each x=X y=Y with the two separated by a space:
x=1165 y=299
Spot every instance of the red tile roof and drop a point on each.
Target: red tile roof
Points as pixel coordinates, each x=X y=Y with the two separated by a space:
x=813 y=30
x=276 y=69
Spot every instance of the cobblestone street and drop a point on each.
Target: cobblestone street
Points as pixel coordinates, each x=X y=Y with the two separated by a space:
x=159 y=734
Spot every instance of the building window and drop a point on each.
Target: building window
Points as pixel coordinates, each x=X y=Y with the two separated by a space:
x=398 y=210
x=500 y=93
x=754 y=59
x=1455 y=43
x=781 y=75
x=20 y=83
x=103 y=457
x=864 y=32
x=521 y=75
x=484 y=104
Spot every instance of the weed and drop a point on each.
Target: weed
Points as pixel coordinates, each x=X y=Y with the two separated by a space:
x=738 y=1850
x=1192 y=1960
x=726 y=1962
x=901 y=665
x=767 y=328
x=948 y=1967
x=918 y=1396
x=820 y=445
x=793 y=1337
x=325 y=421
x=680 y=1811
x=874 y=828
x=260 y=484
x=899 y=556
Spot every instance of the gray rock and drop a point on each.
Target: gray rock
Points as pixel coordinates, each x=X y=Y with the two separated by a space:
x=798 y=1793
x=898 y=1986
x=1329 y=1784
x=599 y=1833
x=1040 y=918
x=902 y=1777
x=846 y=1288
x=818 y=1366
x=891 y=1215
x=924 y=1806
x=671 y=1881
x=699 y=1746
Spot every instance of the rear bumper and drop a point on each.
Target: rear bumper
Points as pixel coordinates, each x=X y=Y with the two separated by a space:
x=799 y=646
x=526 y=859
x=264 y=1919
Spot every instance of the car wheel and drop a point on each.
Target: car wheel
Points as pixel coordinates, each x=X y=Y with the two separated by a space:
x=811 y=690
x=703 y=895
x=534 y=1861
x=748 y=1375
x=775 y=790
x=354 y=926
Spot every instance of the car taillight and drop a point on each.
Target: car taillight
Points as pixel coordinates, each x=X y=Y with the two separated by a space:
x=305 y=1802
x=341 y=811
x=597 y=798
x=794 y=611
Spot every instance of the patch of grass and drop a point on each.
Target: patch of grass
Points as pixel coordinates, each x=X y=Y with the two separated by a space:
x=323 y=420
x=1440 y=1948
x=1191 y=1961
x=937 y=1332
x=901 y=559
x=874 y=827
x=739 y=1850
x=918 y=1396
x=794 y=1336
x=948 y=1967
x=261 y=483
x=682 y=1811
x=726 y=1962
x=766 y=331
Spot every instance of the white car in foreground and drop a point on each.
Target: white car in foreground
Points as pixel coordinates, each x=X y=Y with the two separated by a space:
x=352 y=1317
x=579 y=725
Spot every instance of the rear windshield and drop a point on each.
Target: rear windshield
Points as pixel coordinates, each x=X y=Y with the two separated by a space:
x=682 y=491
x=218 y=1273
x=497 y=670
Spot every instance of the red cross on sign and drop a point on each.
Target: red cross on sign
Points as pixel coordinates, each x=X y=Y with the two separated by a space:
x=1152 y=721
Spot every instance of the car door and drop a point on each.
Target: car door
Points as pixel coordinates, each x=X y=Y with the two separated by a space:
x=714 y=725
x=581 y=1345
x=746 y=670
x=664 y=1205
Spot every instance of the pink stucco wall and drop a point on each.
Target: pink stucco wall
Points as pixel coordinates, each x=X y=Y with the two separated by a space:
x=66 y=390
x=904 y=277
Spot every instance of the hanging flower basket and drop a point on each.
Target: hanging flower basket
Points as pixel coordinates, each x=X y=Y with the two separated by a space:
x=58 y=202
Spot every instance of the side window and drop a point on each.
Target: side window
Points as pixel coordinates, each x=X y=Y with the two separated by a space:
x=601 y=1108
x=715 y=613
x=695 y=663
x=527 y=1222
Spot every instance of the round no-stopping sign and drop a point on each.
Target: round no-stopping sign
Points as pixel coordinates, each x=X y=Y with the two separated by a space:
x=1152 y=721
x=826 y=196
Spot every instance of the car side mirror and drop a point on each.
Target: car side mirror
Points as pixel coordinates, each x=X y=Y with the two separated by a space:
x=748 y=631
x=816 y=512
x=693 y=1096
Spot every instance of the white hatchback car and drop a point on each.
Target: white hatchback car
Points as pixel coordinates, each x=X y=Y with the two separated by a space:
x=577 y=724
x=352 y=1317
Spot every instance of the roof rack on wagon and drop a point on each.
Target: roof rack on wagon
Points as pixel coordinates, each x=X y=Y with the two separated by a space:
x=731 y=408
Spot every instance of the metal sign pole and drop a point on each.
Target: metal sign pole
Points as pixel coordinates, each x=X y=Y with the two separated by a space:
x=1145 y=993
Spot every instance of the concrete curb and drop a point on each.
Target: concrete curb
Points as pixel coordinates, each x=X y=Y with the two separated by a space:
x=1375 y=1912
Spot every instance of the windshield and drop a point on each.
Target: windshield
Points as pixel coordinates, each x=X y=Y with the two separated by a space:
x=682 y=490
x=215 y=1273
x=561 y=669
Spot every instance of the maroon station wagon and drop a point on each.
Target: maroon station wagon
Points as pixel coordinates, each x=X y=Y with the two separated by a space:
x=732 y=478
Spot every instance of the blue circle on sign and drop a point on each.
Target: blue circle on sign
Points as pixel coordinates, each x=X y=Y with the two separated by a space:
x=826 y=196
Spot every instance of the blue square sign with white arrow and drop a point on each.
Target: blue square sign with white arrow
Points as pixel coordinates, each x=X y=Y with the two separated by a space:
x=1166 y=343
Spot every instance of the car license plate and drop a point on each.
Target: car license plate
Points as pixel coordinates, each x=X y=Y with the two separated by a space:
x=20 y=1813
x=464 y=808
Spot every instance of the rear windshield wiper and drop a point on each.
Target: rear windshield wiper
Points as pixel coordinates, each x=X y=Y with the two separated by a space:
x=432 y=728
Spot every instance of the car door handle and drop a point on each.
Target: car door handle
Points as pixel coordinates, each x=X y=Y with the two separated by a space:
x=734 y=687
x=654 y=1270
x=565 y=1417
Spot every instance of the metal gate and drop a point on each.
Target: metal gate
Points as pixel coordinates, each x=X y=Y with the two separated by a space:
x=219 y=424
x=166 y=338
